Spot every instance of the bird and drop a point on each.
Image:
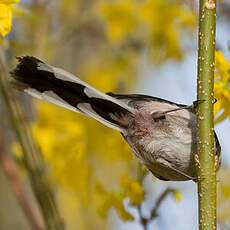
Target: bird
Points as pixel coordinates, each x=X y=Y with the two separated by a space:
x=160 y=133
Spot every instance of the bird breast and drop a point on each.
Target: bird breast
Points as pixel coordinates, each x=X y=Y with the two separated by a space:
x=169 y=142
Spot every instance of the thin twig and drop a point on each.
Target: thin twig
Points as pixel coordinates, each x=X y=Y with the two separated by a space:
x=143 y=221
x=154 y=211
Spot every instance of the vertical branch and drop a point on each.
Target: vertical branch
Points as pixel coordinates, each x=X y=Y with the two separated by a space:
x=205 y=160
x=33 y=160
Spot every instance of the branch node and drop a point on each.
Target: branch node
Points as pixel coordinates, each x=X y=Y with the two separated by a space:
x=210 y=5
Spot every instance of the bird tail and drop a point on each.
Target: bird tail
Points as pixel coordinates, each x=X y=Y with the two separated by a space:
x=57 y=86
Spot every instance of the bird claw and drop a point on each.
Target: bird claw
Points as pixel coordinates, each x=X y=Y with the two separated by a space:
x=197 y=102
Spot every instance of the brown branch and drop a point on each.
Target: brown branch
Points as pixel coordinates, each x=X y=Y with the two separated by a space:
x=17 y=187
x=143 y=221
x=154 y=212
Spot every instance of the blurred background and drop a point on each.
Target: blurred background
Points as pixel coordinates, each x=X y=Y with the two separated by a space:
x=61 y=170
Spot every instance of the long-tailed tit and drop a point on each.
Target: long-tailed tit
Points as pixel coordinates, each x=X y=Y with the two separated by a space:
x=161 y=133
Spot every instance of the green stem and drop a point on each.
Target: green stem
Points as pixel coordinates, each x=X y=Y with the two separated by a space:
x=32 y=157
x=205 y=160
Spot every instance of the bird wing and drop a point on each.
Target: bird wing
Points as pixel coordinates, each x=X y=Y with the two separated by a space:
x=138 y=100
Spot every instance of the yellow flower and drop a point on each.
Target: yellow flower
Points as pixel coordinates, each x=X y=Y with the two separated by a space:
x=121 y=211
x=120 y=18
x=6 y=9
x=177 y=195
x=222 y=88
x=133 y=190
x=222 y=67
x=8 y=2
x=115 y=200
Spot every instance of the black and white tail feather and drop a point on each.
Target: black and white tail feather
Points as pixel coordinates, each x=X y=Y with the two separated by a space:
x=57 y=86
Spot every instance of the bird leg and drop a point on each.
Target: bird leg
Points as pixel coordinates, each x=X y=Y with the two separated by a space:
x=159 y=115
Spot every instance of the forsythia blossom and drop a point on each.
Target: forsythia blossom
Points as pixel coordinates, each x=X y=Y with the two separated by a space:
x=222 y=88
x=6 y=9
x=133 y=190
x=177 y=195
x=138 y=21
